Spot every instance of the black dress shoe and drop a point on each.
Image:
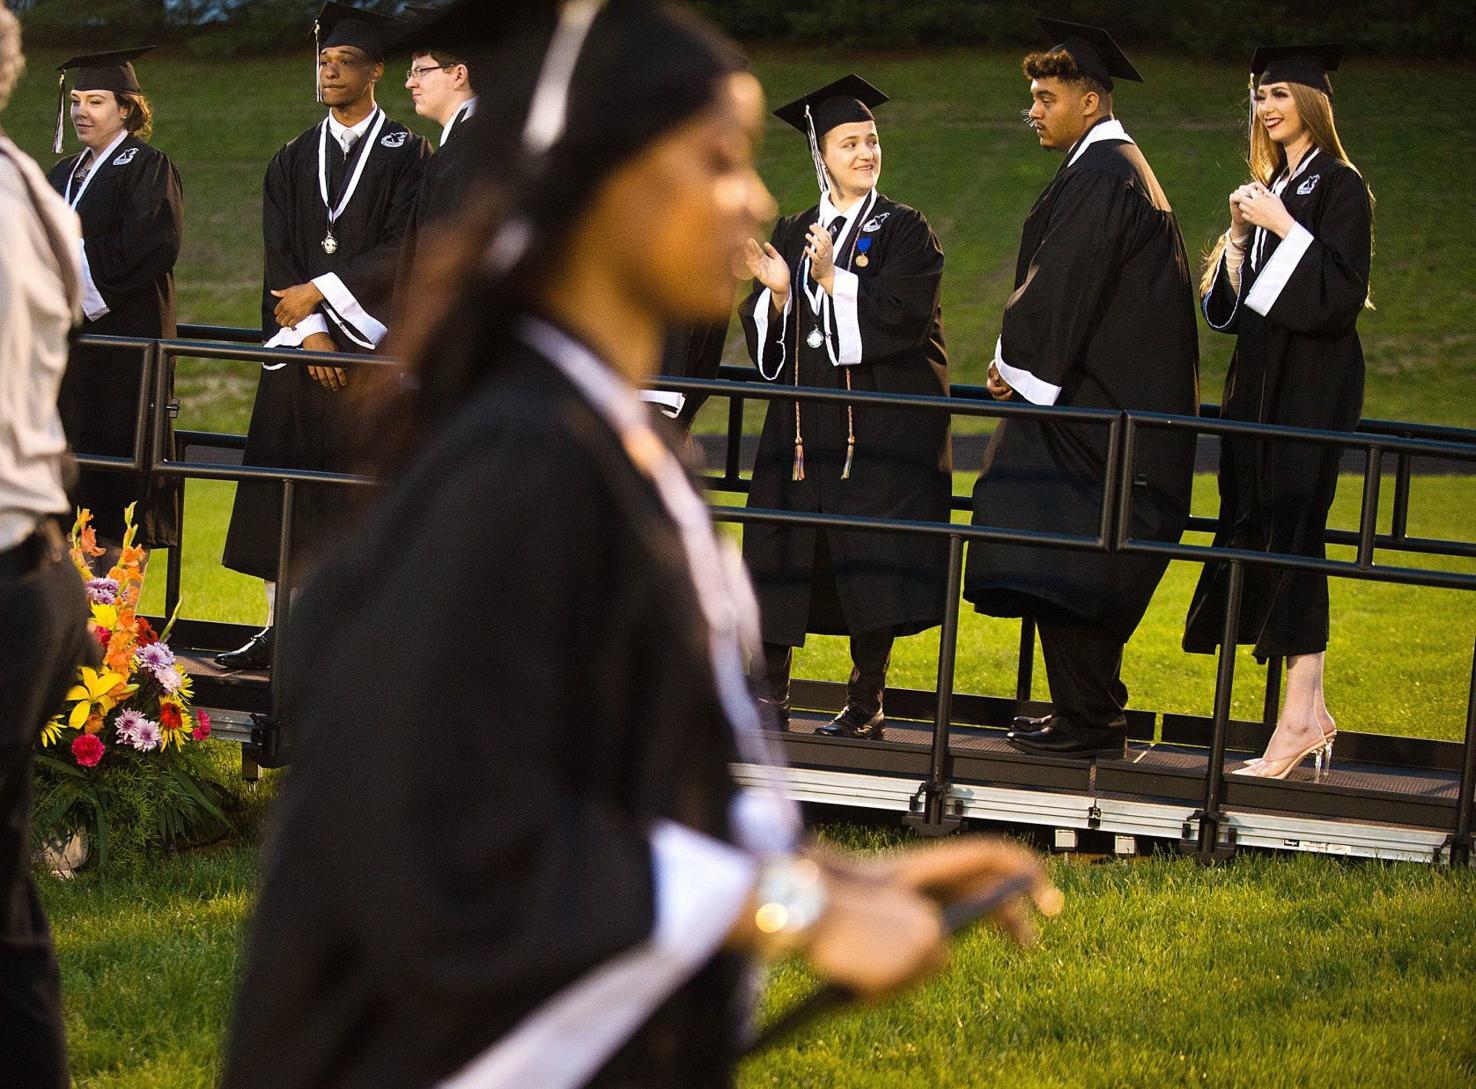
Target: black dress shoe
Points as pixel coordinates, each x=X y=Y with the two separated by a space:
x=855 y=723
x=1061 y=738
x=1025 y=722
x=256 y=654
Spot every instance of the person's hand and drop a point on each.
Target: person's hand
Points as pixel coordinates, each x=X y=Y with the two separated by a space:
x=998 y=388
x=821 y=249
x=330 y=378
x=296 y=303
x=1239 y=229
x=1262 y=208
x=767 y=266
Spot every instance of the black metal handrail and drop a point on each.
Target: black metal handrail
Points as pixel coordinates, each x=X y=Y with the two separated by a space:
x=1375 y=438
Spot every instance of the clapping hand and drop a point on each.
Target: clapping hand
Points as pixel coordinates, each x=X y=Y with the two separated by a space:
x=767 y=266
x=820 y=248
x=1262 y=208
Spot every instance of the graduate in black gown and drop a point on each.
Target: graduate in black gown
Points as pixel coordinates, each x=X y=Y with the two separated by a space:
x=690 y=351
x=1289 y=279
x=846 y=296
x=337 y=203
x=1102 y=317
x=440 y=86
x=128 y=196
x=510 y=851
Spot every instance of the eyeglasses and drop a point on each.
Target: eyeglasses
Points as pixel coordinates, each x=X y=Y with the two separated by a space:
x=417 y=74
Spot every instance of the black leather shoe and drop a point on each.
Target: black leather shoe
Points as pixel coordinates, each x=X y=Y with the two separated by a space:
x=855 y=723
x=1025 y=722
x=1064 y=739
x=256 y=654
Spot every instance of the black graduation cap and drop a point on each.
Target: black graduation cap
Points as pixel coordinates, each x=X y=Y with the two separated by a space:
x=343 y=25
x=842 y=102
x=1304 y=64
x=111 y=71
x=1093 y=49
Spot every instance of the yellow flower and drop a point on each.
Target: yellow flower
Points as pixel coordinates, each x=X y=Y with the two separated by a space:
x=99 y=692
x=51 y=732
x=105 y=616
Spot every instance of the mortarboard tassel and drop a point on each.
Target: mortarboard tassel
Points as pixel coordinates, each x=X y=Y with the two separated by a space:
x=850 y=431
x=317 y=67
x=61 y=112
x=822 y=178
x=799 y=450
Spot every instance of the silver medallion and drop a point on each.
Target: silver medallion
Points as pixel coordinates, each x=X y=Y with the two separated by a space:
x=330 y=244
x=815 y=339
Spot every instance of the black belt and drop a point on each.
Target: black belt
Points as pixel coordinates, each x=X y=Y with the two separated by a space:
x=46 y=545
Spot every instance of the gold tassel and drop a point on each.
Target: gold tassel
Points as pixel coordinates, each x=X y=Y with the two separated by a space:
x=799 y=458
x=850 y=431
x=61 y=112
x=317 y=57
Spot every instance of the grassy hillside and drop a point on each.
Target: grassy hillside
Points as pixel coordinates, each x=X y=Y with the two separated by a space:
x=954 y=147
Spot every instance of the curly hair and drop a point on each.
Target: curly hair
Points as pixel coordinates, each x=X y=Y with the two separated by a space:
x=140 y=119
x=1060 y=64
x=12 y=60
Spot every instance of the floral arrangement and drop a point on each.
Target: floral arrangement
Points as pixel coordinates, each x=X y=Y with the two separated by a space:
x=130 y=715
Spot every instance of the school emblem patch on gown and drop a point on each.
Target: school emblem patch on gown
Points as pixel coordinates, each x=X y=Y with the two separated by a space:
x=1308 y=185
x=875 y=222
x=125 y=157
x=394 y=139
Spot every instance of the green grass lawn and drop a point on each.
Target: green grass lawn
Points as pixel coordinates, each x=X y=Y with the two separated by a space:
x=1277 y=971
x=954 y=147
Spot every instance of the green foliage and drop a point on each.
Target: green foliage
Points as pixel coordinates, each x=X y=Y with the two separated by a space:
x=133 y=805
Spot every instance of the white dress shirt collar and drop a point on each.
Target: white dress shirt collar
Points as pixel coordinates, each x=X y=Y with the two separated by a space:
x=340 y=132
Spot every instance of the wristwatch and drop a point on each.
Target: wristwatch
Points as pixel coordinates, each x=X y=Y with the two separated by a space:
x=789 y=900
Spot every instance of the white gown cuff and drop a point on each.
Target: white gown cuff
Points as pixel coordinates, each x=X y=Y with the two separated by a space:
x=1273 y=278
x=847 y=322
x=763 y=308
x=92 y=301
x=1035 y=390
x=342 y=300
x=701 y=885
x=669 y=402
x=292 y=338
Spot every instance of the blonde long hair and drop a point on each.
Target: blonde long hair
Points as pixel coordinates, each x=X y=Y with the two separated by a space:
x=1267 y=159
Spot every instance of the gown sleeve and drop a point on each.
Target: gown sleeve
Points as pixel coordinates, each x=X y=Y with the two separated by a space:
x=762 y=328
x=890 y=312
x=359 y=283
x=1221 y=303
x=1052 y=314
x=282 y=269
x=1317 y=282
x=146 y=243
x=504 y=875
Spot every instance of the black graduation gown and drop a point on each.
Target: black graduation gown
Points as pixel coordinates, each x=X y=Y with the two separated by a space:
x=295 y=422
x=442 y=192
x=463 y=831
x=693 y=351
x=903 y=464
x=132 y=215
x=1104 y=309
x=1297 y=361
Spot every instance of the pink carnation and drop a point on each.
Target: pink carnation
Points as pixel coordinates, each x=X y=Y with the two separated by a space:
x=88 y=750
x=202 y=725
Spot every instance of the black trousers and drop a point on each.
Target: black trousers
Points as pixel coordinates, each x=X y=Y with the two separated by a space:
x=43 y=639
x=1084 y=666
x=871 y=655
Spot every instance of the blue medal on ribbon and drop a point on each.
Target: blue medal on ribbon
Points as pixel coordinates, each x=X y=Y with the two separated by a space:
x=862 y=245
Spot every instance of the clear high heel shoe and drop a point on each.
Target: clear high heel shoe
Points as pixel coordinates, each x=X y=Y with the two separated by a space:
x=1261 y=768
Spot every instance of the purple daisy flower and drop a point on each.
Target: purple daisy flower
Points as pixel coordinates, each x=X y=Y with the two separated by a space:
x=127 y=724
x=148 y=736
x=102 y=591
x=158 y=659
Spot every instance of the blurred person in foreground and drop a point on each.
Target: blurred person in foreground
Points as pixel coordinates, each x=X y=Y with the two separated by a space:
x=513 y=852
x=44 y=633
